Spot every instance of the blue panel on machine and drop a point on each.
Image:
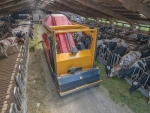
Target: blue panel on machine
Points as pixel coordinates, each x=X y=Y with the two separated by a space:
x=79 y=78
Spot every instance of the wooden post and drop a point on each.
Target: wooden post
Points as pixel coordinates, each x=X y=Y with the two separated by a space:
x=139 y=29
x=149 y=32
x=122 y=26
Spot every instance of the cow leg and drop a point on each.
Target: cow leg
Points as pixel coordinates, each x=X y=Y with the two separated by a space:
x=2 y=50
x=17 y=47
x=14 y=49
x=5 y=51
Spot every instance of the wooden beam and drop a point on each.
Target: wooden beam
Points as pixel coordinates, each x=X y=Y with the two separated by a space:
x=105 y=10
x=16 y=4
x=66 y=8
x=13 y=7
x=50 y=7
x=145 y=1
x=77 y=7
x=84 y=10
x=14 y=10
x=135 y=5
x=5 y=1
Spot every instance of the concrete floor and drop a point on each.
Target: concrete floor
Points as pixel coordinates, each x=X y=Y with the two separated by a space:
x=91 y=100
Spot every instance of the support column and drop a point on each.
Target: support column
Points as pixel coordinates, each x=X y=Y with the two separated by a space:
x=149 y=32
x=122 y=26
x=111 y=22
x=86 y=19
x=139 y=29
x=97 y=20
x=133 y=27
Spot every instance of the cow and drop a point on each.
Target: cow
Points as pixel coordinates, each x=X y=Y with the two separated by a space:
x=107 y=46
x=19 y=32
x=122 y=33
x=102 y=36
x=134 y=69
x=10 y=42
x=112 y=30
x=139 y=38
x=100 y=42
x=120 y=51
x=145 y=53
x=142 y=39
x=111 y=45
x=126 y=60
x=120 y=42
x=133 y=37
x=31 y=33
x=143 y=81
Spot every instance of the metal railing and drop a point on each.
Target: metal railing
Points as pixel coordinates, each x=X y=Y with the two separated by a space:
x=20 y=105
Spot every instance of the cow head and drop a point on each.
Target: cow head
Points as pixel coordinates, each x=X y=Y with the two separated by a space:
x=108 y=70
x=121 y=73
x=115 y=70
x=135 y=86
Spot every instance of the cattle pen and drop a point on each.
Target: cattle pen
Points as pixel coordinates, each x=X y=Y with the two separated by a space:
x=74 y=56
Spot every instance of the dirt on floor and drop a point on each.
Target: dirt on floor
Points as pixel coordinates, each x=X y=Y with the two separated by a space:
x=43 y=96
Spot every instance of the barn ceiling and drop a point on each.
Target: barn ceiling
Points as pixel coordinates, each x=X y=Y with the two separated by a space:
x=131 y=11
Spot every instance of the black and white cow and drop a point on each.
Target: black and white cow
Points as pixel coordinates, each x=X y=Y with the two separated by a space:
x=133 y=37
x=123 y=33
x=20 y=32
x=145 y=53
x=120 y=42
x=139 y=38
x=134 y=69
x=143 y=81
x=118 y=51
x=127 y=60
